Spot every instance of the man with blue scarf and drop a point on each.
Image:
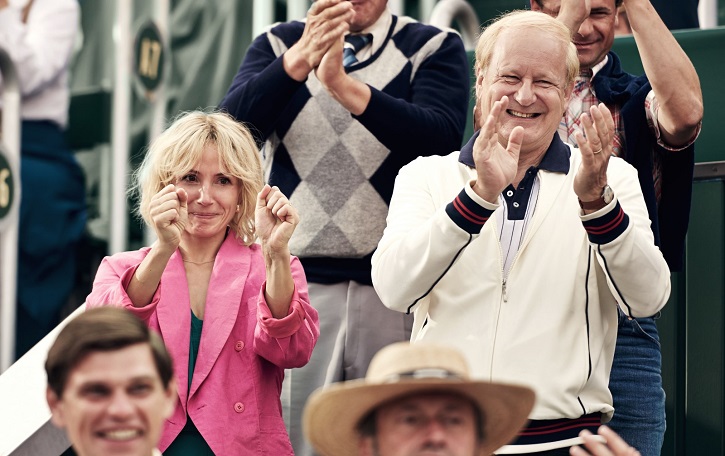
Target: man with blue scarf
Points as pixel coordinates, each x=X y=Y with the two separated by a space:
x=658 y=117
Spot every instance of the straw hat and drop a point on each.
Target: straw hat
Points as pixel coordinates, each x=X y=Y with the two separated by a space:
x=332 y=413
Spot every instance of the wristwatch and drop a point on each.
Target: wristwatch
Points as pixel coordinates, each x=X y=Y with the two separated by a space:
x=606 y=198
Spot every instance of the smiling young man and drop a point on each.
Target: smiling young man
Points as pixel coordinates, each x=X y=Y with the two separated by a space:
x=657 y=119
x=519 y=249
x=110 y=384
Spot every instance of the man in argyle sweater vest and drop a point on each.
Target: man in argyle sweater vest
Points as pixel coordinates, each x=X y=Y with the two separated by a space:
x=334 y=139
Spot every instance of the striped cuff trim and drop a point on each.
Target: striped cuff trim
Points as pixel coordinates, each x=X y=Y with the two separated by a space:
x=608 y=227
x=467 y=214
x=546 y=431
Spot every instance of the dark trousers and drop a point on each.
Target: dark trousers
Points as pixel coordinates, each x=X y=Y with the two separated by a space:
x=52 y=221
x=556 y=452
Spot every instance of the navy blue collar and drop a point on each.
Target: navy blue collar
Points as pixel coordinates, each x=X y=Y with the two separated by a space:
x=556 y=158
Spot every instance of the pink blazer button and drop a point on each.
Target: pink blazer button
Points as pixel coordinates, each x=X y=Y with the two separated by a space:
x=239 y=407
x=239 y=346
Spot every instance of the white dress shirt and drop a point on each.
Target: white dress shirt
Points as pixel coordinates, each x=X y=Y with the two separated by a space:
x=41 y=49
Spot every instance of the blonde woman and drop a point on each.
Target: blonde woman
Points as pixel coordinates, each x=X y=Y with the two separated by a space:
x=233 y=313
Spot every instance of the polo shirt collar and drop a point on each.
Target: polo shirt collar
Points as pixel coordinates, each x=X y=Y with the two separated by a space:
x=556 y=158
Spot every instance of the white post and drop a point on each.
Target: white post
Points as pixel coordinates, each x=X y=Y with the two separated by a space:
x=297 y=9
x=158 y=119
x=262 y=16
x=707 y=13
x=447 y=11
x=426 y=8
x=9 y=226
x=158 y=113
x=396 y=7
x=119 y=128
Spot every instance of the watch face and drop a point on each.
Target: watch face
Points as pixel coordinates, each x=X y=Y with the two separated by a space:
x=607 y=194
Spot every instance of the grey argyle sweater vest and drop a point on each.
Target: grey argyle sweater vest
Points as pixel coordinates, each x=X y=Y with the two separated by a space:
x=328 y=162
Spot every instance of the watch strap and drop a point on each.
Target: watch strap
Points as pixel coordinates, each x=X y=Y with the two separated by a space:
x=606 y=197
x=593 y=205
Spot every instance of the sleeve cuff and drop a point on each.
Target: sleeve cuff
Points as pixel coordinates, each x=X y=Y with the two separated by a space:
x=469 y=211
x=606 y=224
x=371 y=108
x=651 y=109
x=126 y=281
x=276 y=68
x=280 y=327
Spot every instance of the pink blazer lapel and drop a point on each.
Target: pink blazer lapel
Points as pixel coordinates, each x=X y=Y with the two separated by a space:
x=223 y=299
x=174 y=314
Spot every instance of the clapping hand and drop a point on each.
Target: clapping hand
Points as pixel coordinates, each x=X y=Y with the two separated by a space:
x=596 y=148
x=615 y=445
x=327 y=22
x=331 y=64
x=573 y=13
x=169 y=214
x=496 y=166
x=275 y=220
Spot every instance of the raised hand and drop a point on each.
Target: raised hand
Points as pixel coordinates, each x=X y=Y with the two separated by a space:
x=476 y=117
x=331 y=66
x=615 y=445
x=596 y=149
x=573 y=13
x=275 y=220
x=496 y=166
x=169 y=215
x=327 y=22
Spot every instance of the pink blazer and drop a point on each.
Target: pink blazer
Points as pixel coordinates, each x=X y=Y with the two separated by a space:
x=234 y=397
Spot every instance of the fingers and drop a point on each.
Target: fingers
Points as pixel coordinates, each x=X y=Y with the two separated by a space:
x=516 y=138
x=604 y=129
x=476 y=117
x=593 y=447
x=166 y=201
x=608 y=118
x=499 y=108
x=321 y=6
x=329 y=19
x=166 y=209
x=262 y=196
x=273 y=199
x=489 y=131
x=614 y=446
x=593 y=143
x=582 y=142
x=617 y=444
x=183 y=197
x=599 y=129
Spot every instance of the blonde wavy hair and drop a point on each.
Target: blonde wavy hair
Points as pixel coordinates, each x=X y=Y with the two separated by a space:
x=179 y=149
x=516 y=20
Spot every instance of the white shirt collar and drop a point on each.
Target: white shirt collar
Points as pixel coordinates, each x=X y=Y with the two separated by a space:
x=599 y=66
x=379 y=30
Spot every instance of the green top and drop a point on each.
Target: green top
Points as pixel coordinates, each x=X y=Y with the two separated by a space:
x=190 y=441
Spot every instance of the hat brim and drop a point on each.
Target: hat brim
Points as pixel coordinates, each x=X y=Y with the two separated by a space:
x=332 y=414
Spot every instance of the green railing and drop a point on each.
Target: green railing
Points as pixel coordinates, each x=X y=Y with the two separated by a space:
x=692 y=327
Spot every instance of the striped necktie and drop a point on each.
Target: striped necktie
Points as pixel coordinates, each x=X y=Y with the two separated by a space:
x=353 y=43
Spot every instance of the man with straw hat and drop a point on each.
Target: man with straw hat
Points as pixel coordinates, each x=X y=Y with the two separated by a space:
x=420 y=400
x=415 y=398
